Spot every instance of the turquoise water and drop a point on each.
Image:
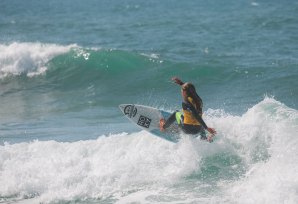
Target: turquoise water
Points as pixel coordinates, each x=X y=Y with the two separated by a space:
x=65 y=66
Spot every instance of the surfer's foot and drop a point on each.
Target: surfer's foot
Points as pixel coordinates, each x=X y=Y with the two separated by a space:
x=161 y=124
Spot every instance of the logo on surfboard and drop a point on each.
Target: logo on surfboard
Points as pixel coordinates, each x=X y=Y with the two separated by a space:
x=144 y=121
x=130 y=110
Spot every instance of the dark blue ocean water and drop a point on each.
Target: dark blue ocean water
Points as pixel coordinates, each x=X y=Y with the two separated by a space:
x=65 y=66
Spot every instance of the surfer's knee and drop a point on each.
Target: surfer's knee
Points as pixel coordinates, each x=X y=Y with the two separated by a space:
x=179 y=117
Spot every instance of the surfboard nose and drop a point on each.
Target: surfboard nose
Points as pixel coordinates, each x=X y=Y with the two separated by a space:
x=122 y=106
x=128 y=109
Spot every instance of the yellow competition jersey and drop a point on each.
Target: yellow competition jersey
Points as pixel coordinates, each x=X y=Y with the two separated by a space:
x=188 y=112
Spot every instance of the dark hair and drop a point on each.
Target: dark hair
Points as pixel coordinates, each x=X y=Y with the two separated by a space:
x=190 y=91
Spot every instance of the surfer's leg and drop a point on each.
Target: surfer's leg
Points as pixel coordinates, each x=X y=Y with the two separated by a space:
x=197 y=130
x=179 y=118
x=170 y=120
x=163 y=124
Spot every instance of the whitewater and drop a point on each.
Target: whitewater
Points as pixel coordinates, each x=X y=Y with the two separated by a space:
x=251 y=161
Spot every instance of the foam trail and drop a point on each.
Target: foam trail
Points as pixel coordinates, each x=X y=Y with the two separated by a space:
x=28 y=58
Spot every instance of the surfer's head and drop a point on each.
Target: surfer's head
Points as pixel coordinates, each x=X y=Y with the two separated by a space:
x=189 y=90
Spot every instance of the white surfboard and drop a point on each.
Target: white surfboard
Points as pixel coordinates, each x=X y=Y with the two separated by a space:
x=148 y=119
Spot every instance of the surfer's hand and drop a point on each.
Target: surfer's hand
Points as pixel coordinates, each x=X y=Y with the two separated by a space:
x=161 y=124
x=210 y=138
x=177 y=81
x=211 y=131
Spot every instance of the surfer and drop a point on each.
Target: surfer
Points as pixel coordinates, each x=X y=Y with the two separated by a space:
x=191 y=120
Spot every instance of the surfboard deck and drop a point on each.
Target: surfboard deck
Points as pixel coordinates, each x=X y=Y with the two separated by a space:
x=148 y=119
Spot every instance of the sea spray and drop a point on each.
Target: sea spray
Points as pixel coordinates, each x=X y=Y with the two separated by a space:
x=249 y=161
x=272 y=173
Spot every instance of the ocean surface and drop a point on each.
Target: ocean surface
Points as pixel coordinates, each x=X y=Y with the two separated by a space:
x=66 y=65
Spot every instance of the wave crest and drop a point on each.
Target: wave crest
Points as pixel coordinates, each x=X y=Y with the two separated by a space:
x=28 y=58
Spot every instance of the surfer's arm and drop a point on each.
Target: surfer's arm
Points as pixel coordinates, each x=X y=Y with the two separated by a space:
x=177 y=81
x=197 y=116
x=200 y=119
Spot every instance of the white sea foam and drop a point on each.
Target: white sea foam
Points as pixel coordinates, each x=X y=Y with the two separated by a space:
x=96 y=168
x=272 y=130
x=28 y=58
x=142 y=168
x=266 y=137
x=254 y=4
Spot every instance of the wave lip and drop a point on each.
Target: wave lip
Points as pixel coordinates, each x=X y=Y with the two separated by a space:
x=28 y=58
x=266 y=139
